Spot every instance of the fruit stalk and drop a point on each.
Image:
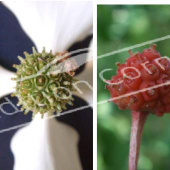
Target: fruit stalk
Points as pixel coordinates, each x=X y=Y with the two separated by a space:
x=138 y=121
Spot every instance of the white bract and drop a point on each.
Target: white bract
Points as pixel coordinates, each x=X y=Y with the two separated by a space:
x=48 y=144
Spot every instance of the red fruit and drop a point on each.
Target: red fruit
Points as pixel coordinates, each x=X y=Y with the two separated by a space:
x=163 y=65
x=167 y=108
x=149 y=93
x=142 y=73
x=132 y=79
x=166 y=99
x=147 y=106
x=164 y=89
x=140 y=92
x=122 y=103
x=115 y=87
x=159 y=109
x=151 y=53
x=116 y=80
x=116 y=91
x=135 y=60
x=135 y=101
x=150 y=72
x=120 y=66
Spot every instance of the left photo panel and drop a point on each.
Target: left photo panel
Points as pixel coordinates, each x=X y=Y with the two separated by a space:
x=46 y=85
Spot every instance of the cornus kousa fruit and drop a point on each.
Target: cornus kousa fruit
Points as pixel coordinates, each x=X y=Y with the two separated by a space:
x=142 y=84
x=44 y=82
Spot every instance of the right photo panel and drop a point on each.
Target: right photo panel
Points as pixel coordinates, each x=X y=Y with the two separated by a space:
x=133 y=48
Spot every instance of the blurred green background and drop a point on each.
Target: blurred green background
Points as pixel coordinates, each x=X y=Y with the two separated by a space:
x=121 y=26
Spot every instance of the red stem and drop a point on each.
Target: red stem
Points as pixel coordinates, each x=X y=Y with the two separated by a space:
x=138 y=121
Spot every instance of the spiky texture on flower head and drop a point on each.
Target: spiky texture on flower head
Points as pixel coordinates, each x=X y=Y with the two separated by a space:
x=44 y=82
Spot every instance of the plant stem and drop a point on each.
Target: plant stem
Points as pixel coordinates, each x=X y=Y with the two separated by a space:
x=138 y=121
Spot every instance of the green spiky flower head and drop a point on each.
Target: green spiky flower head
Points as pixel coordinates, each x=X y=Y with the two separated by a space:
x=44 y=82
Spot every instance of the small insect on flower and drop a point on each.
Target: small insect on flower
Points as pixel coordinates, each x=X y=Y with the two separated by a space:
x=43 y=84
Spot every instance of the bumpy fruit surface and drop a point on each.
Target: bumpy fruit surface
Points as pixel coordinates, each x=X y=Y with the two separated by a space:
x=142 y=83
x=44 y=82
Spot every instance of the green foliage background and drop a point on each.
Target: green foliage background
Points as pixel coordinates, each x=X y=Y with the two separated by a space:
x=121 y=26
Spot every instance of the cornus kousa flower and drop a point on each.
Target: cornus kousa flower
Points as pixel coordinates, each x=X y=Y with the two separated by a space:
x=142 y=84
x=46 y=92
x=44 y=84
